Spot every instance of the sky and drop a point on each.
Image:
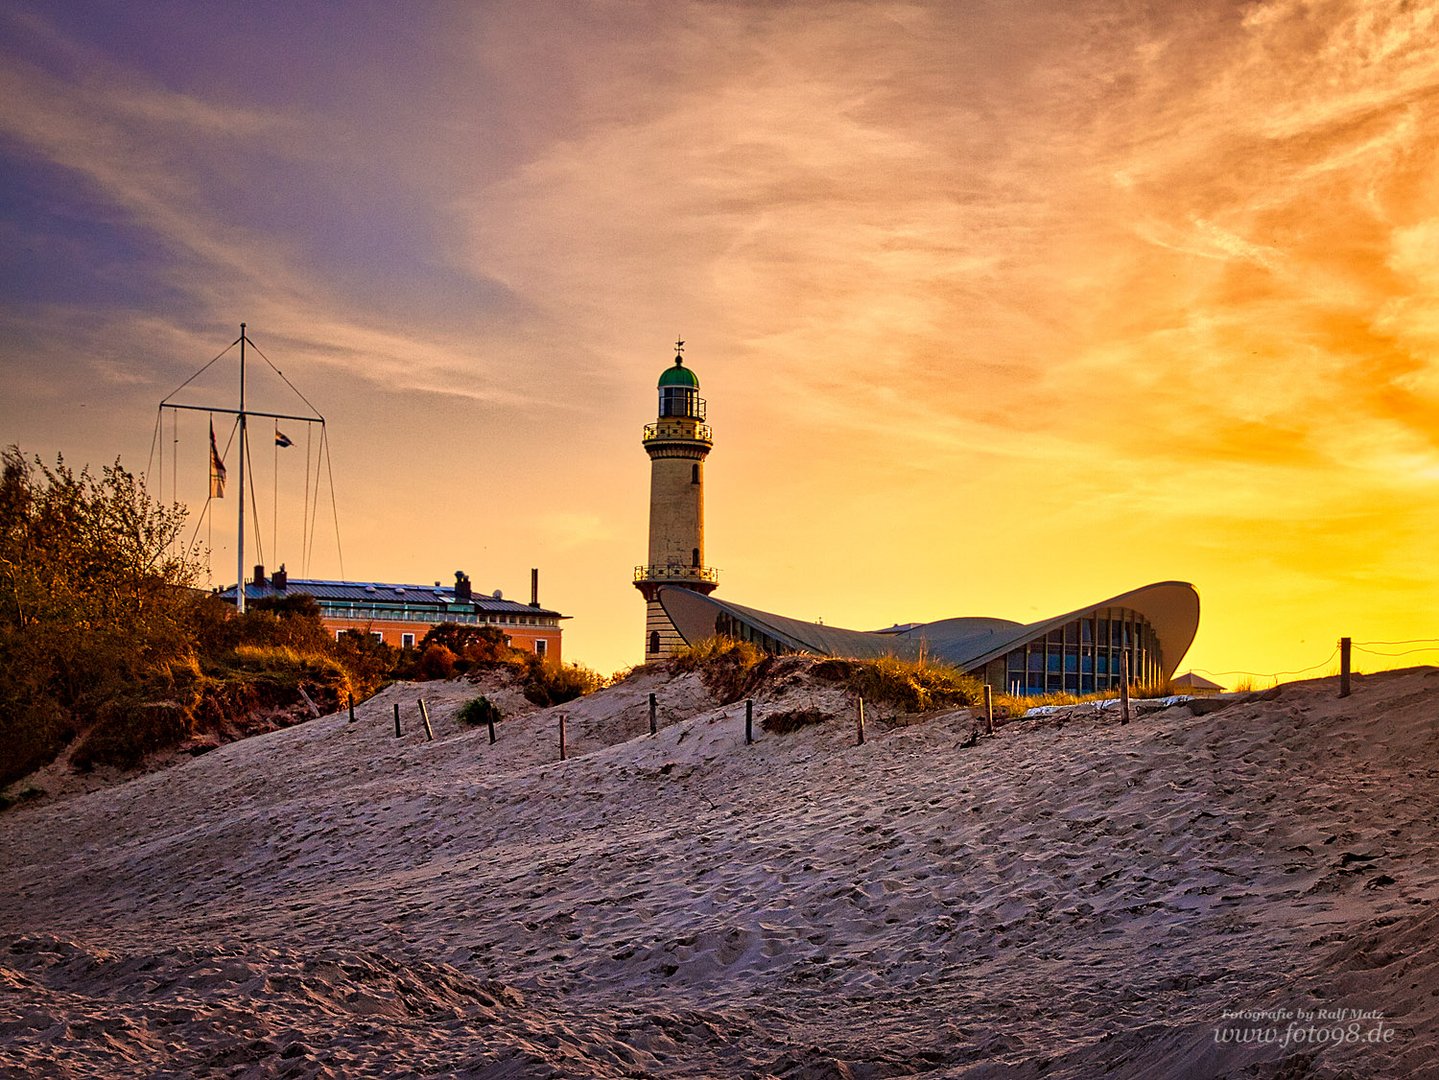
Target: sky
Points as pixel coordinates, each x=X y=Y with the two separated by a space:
x=1000 y=308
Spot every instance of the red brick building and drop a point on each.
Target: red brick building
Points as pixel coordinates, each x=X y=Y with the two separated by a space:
x=401 y=614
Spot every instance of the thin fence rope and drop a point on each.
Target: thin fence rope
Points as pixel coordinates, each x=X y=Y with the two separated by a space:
x=1272 y=674
x=1415 y=641
x=1406 y=652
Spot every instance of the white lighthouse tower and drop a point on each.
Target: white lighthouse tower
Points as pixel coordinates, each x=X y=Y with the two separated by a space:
x=677 y=442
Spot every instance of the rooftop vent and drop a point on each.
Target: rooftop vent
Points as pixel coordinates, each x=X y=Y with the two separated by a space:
x=498 y=595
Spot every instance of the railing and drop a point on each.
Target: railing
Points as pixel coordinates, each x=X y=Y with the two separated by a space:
x=674 y=431
x=367 y=614
x=681 y=408
x=675 y=572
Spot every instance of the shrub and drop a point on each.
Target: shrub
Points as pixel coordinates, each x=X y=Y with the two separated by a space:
x=101 y=628
x=127 y=731
x=912 y=685
x=555 y=684
x=478 y=712
x=716 y=650
x=728 y=668
x=437 y=662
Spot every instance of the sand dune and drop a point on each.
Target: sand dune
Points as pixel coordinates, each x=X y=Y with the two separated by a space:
x=1068 y=898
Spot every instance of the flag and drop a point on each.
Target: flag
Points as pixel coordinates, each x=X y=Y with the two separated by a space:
x=281 y=439
x=217 y=468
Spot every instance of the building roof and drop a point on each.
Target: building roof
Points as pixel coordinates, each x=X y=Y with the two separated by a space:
x=1171 y=607
x=376 y=593
x=1190 y=681
x=679 y=375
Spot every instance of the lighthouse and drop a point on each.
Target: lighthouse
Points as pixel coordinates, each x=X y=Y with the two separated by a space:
x=677 y=442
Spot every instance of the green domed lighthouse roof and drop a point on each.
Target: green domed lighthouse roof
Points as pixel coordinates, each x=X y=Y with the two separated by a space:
x=679 y=375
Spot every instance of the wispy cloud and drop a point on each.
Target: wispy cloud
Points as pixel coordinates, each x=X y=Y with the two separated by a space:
x=1083 y=261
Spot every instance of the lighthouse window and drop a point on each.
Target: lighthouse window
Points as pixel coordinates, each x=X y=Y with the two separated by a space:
x=695 y=557
x=681 y=401
x=694 y=474
x=654 y=641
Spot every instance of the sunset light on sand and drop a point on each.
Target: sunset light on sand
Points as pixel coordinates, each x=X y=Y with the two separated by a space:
x=999 y=308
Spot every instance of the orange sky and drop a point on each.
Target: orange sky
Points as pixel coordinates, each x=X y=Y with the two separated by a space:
x=999 y=309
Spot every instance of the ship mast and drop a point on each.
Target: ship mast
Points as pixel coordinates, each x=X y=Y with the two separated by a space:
x=243 y=415
x=240 y=535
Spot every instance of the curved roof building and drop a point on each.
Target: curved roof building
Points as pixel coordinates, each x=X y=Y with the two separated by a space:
x=1078 y=652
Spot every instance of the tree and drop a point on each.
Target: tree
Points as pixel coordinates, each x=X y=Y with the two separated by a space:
x=96 y=597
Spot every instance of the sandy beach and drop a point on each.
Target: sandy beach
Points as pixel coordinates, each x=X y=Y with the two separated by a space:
x=1247 y=892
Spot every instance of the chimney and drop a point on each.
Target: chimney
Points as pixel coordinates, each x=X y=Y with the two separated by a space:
x=259 y=576
x=280 y=579
x=535 y=587
x=462 y=587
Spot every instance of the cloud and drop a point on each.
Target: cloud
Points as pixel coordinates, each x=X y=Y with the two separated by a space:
x=1065 y=259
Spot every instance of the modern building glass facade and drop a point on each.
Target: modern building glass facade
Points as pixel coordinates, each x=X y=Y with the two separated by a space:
x=1081 y=652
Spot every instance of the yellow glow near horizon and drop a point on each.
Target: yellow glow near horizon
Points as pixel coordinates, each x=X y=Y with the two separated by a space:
x=999 y=311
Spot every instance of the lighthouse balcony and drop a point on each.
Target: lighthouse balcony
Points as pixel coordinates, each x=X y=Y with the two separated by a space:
x=674 y=572
x=688 y=431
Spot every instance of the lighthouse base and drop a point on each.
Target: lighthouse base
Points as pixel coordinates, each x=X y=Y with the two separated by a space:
x=662 y=640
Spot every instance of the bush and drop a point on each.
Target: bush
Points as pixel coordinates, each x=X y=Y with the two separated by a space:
x=479 y=712
x=912 y=685
x=553 y=684
x=716 y=650
x=728 y=668
x=437 y=662
x=33 y=730
x=127 y=731
x=104 y=636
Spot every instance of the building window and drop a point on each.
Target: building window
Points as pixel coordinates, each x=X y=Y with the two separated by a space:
x=695 y=557
x=654 y=641
x=377 y=635
x=694 y=474
x=338 y=634
x=541 y=646
x=407 y=641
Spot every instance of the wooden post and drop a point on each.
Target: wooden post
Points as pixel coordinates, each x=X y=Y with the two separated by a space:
x=397 y=719
x=492 y=730
x=860 y=720
x=1124 y=686
x=654 y=722
x=562 y=736
x=988 y=709
x=748 y=721
x=425 y=716
x=352 y=708
x=1344 y=648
